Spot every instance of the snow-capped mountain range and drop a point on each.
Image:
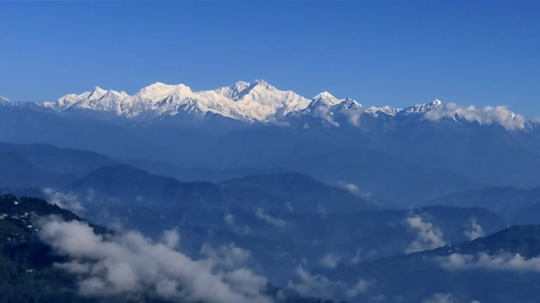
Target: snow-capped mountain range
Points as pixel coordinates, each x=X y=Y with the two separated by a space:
x=260 y=101
x=333 y=139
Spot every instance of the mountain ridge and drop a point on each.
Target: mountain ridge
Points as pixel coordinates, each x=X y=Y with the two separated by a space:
x=259 y=101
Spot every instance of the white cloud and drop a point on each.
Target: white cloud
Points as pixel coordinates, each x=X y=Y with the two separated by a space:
x=90 y=195
x=352 y=188
x=360 y=287
x=440 y=298
x=427 y=236
x=353 y=114
x=171 y=239
x=321 y=210
x=228 y=256
x=475 y=231
x=229 y=219
x=269 y=219
x=324 y=113
x=361 y=255
x=329 y=260
x=65 y=201
x=132 y=265
x=357 y=257
x=314 y=285
x=444 y=298
x=289 y=206
x=486 y=116
x=506 y=262
x=322 y=287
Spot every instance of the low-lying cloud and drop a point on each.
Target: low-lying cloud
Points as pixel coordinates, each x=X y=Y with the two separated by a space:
x=444 y=298
x=66 y=201
x=259 y=213
x=326 y=114
x=362 y=255
x=474 y=231
x=131 y=265
x=321 y=287
x=484 y=116
x=427 y=236
x=314 y=285
x=505 y=262
x=360 y=287
x=229 y=220
x=329 y=260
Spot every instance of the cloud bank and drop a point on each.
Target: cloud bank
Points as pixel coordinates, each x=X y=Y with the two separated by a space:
x=475 y=231
x=329 y=260
x=259 y=213
x=322 y=287
x=506 y=262
x=485 y=116
x=427 y=236
x=229 y=220
x=131 y=265
x=444 y=298
x=65 y=201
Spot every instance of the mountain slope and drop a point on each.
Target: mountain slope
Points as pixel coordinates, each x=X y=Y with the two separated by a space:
x=305 y=193
x=28 y=123
x=510 y=202
x=125 y=185
x=195 y=174
x=17 y=172
x=384 y=176
x=59 y=160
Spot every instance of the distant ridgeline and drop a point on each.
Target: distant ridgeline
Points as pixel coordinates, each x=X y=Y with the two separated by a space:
x=403 y=156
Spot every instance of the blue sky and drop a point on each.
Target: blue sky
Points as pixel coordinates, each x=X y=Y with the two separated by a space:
x=379 y=53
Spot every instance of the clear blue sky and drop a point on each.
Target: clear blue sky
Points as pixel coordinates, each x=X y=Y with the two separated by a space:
x=379 y=53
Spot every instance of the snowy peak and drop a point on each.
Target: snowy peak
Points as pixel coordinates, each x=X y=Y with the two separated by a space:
x=232 y=92
x=387 y=110
x=256 y=101
x=97 y=93
x=159 y=91
x=333 y=111
x=263 y=101
x=260 y=101
x=97 y=99
x=422 y=108
x=326 y=99
x=4 y=101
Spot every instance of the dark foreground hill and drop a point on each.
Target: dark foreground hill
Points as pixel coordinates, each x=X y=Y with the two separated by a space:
x=27 y=273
